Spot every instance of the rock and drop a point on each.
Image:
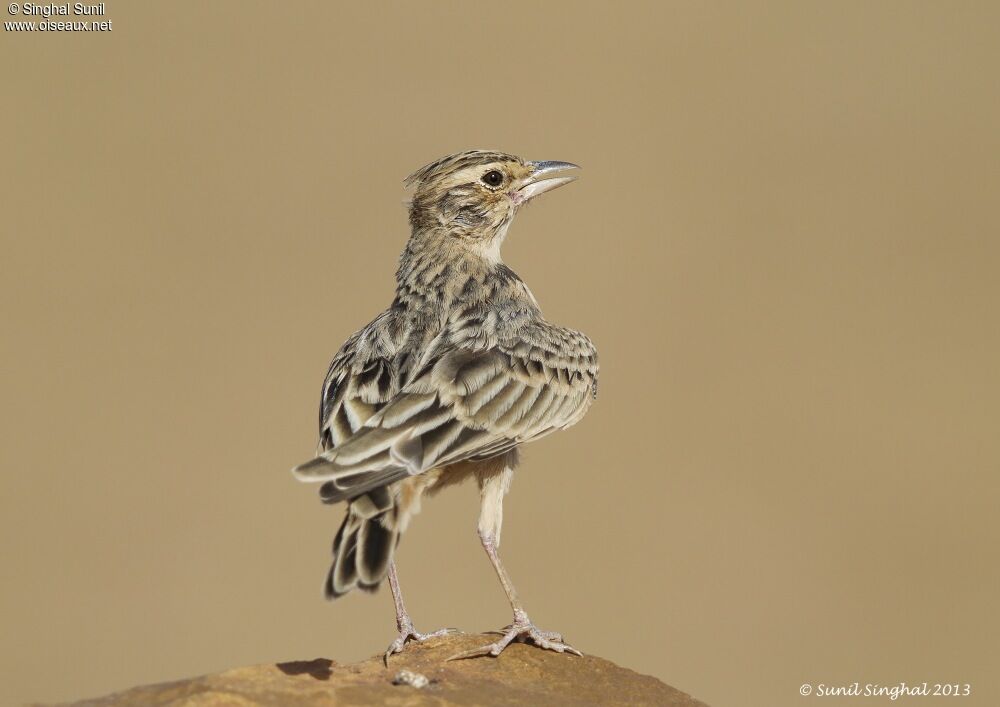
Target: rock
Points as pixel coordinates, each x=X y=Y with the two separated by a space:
x=522 y=675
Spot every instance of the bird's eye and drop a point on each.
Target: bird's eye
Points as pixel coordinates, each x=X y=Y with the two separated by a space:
x=493 y=178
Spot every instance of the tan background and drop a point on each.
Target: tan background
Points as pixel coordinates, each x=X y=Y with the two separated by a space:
x=785 y=244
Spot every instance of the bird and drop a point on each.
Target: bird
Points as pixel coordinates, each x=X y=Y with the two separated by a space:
x=447 y=383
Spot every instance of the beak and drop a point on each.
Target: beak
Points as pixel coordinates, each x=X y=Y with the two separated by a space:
x=539 y=182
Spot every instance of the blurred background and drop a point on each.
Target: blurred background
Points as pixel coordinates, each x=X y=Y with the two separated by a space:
x=784 y=243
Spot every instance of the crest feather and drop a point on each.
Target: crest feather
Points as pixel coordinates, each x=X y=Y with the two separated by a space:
x=459 y=160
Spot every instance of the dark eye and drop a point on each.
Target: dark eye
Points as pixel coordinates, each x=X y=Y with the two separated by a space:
x=493 y=178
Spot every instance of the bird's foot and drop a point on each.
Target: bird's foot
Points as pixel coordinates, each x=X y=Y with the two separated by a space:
x=521 y=631
x=407 y=633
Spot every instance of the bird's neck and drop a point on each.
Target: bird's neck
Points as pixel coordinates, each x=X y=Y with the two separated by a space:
x=437 y=272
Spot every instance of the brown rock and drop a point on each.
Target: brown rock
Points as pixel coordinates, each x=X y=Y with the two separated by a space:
x=523 y=675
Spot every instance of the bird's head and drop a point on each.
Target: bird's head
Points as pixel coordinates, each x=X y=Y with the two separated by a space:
x=473 y=196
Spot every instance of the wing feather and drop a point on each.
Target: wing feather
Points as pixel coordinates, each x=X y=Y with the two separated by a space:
x=461 y=403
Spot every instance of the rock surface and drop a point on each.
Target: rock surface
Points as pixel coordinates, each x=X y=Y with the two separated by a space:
x=522 y=675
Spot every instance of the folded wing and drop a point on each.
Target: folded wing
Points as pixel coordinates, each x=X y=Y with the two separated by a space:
x=462 y=404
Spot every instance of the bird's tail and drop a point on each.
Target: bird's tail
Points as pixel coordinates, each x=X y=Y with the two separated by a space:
x=364 y=545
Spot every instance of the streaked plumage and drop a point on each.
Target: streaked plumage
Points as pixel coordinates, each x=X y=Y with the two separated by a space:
x=459 y=371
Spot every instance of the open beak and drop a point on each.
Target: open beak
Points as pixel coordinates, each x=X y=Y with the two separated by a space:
x=540 y=180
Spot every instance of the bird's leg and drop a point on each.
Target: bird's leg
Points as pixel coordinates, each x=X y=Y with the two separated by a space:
x=403 y=622
x=521 y=629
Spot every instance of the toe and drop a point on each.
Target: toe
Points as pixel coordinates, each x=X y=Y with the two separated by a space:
x=550 y=640
x=474 y=653
x=547 y=645
x=438 y=634
x=395 y=647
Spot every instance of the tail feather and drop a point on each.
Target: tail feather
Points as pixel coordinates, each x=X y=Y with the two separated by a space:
x=364 y=544
x=375 y=546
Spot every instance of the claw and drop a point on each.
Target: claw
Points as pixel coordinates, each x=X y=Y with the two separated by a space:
x=520 y=632
x=525 y=638
x=408 y=634
x=474 y=653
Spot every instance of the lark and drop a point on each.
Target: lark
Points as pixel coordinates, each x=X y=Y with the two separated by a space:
x=448 y=382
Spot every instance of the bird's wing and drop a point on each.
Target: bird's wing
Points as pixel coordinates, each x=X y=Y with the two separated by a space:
x=367 y=373
x=466 y=402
